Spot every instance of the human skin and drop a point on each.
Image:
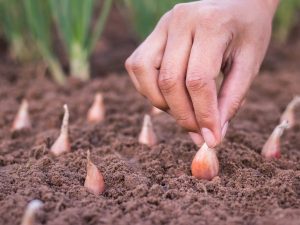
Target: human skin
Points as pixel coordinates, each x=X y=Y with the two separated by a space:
x=176 y=66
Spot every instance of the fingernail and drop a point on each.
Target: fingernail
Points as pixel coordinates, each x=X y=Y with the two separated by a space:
x=224 y=130
x=209 y=137
x=197 y=138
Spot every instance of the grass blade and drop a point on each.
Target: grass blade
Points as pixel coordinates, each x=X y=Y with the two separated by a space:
x=74 y=19
x=39 y=21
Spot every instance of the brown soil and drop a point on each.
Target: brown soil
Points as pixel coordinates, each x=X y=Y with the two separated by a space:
x=143 y=185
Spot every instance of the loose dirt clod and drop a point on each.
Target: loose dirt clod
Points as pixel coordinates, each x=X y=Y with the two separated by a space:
x=96 y=113
x=94 y=181
x=31 y=209
x=62 y=143
x=205 y=164
x=22 y=119
x=147 y=135
x=271 y=149
x=289 y=112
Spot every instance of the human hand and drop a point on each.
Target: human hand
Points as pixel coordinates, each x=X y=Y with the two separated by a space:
x=176 y=66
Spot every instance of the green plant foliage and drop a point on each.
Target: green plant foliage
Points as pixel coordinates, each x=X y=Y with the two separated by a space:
x=38 y=16
x=285 y=18
x=13 y=26
x=74 y=20
x=146 y=13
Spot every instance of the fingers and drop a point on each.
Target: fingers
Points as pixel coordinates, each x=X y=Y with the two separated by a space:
x=196 y=138
x=204 y=66
x=237 y=83
x=128 y=66
x=172 y=78
x=144 y=63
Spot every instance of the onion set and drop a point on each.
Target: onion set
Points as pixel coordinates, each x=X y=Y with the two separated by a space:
x=205 y=164
x=94 y=180
x=22 y=119
x=271 y=149
x=96 y=113
x=62 y=143
x=30 y=211
x=147 y=135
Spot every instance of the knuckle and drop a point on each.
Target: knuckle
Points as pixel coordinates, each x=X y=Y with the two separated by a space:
x=214 y=19
x=205 y=116
x=128 y=64
x=182 y=119
x=234 y=106
x=196 y=83
x=137 y=65
x=167 y=84
x=179 y=10
x=209 y=13
x=186 y=122
x=206 y=119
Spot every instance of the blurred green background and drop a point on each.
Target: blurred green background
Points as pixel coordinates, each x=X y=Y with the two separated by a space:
x=30 y=26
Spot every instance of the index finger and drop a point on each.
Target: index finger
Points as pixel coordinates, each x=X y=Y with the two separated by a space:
x=204 y=66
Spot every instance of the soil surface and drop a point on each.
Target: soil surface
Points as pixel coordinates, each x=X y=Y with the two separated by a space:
x=143 y=185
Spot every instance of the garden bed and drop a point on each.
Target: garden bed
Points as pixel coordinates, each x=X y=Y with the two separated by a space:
x=143 y=185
